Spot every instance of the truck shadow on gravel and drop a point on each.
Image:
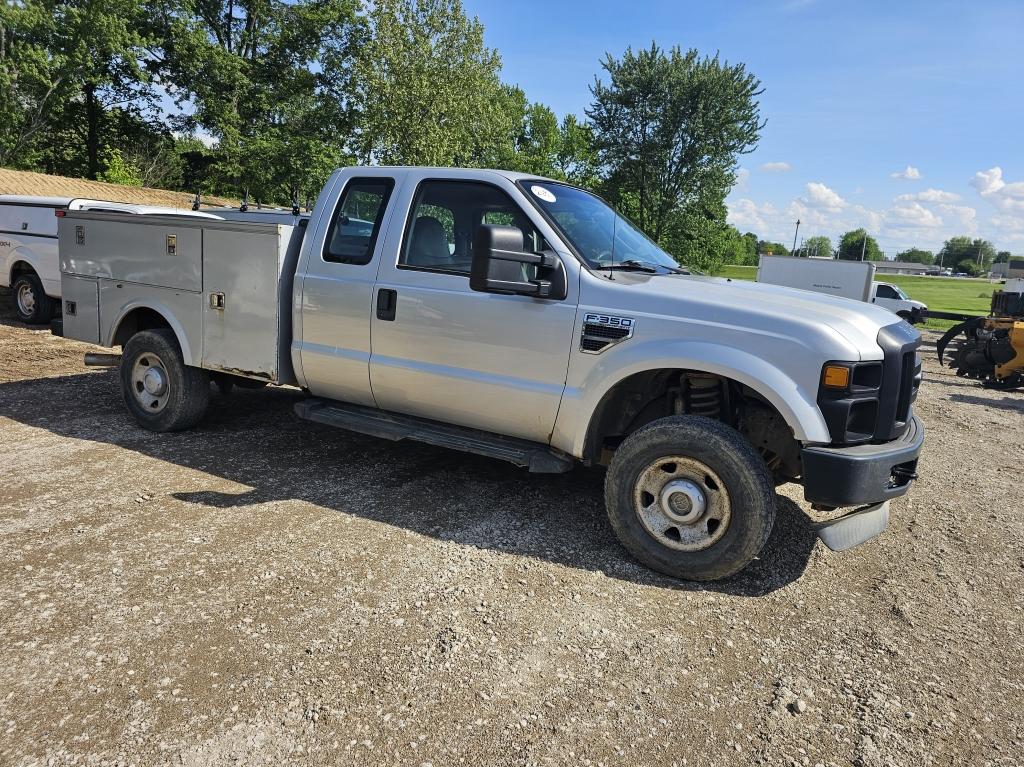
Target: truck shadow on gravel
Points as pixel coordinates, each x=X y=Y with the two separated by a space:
x=252 y=438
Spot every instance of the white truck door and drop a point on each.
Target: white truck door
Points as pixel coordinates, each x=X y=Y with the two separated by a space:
x=331 y=345
x=445 y=352
x=887 y=297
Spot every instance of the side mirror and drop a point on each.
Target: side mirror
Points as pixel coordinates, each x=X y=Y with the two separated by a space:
x=498 y=258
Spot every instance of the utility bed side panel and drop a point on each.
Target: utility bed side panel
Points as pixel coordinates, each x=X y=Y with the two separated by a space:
x=241 y=313
x=150 y=250
x=81 y=301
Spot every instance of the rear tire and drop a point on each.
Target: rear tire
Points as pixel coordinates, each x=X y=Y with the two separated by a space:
x=160 y=391
x=690 y=497
x=34 y=307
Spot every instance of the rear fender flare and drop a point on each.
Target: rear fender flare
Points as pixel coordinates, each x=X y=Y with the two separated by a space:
x=163 y=311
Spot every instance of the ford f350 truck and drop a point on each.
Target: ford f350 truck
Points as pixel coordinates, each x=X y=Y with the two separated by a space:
x=524 y=319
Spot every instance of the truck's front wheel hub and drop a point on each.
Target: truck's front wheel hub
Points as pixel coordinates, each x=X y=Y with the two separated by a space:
x=682 y=503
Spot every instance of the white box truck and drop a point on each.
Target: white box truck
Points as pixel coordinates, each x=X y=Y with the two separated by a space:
x=847 y=279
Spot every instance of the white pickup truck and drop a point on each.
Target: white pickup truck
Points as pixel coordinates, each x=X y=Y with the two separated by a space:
x=28 y=247
x=523 y=319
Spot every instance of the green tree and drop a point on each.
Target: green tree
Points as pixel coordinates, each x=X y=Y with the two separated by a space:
x=267 y=79
x=64 y=65
x=916 y=256
x=426 y=89
x=853 y=244
x=958 y=249
x=771 y=248
x=576 y=159
x=819 y=246
x=1002 y=257
x=668 y=127
x=968 y=266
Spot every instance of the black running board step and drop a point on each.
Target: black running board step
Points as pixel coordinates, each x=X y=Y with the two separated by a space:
x=534 y=456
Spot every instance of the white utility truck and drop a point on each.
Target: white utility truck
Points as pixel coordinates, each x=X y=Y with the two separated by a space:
x=519 y=318
x=849 y=279
x=28 y=247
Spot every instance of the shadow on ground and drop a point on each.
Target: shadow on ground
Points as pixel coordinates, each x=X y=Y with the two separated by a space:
x=253 y=438
x=1012 y=403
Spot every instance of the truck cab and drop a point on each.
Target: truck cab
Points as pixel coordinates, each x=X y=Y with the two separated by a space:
x=521 y=318
x=893 y=298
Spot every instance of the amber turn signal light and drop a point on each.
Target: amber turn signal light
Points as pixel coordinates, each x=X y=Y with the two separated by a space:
x=835 y=376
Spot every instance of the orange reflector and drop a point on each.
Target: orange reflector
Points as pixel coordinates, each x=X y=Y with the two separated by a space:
x=836 y=376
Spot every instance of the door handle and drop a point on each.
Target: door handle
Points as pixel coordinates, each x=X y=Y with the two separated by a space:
x=387 y=302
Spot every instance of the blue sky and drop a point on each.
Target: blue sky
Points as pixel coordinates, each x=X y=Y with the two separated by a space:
x=904 y=117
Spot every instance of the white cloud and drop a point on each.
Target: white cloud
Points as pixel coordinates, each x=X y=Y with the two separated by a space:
x=912 y=216
x=908 y=173
x=965 y=216
x=747 y=216
x=929 y=195
x=820 y=196
x=991 y=186
x=776 y=167
x=923 y=219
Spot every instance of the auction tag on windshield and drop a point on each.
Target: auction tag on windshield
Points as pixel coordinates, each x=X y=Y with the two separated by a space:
x=543 y=193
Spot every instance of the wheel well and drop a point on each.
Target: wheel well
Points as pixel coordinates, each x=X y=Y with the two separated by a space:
x=137 y=320
x=19 y=268
x=647 y=396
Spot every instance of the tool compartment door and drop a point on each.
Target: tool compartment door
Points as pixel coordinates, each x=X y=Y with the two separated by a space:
x=240 y=301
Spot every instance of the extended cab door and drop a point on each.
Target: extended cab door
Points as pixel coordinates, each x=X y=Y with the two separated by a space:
x=445 y=352
x=334 y=288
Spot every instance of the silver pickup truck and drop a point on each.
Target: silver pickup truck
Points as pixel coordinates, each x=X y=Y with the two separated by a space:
x=523 y=319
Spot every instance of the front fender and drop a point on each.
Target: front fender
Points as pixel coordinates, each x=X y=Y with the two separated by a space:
x=164 y=311
x=794 y=402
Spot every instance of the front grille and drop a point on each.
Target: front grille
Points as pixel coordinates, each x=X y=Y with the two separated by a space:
x=901 y=379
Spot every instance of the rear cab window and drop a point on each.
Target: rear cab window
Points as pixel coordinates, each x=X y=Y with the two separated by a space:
x=357 y=221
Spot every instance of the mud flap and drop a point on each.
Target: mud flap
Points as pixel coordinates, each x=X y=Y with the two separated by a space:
x=854 y=528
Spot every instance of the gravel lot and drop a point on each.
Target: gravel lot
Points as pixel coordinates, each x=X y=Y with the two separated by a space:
x=264 y=591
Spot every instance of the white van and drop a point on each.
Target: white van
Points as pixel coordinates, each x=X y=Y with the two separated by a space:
x=28 y=247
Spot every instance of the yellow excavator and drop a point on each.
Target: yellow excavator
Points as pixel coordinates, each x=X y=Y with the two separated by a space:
x=991 y=349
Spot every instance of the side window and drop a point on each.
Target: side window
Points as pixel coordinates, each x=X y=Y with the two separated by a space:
x=357 y=220
x=444 y=220
x=884 y=291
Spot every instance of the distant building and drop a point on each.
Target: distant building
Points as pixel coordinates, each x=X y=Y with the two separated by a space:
x=900 y=267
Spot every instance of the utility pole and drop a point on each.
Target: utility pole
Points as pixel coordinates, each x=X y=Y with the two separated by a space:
x=796 y=233
x=863 y=244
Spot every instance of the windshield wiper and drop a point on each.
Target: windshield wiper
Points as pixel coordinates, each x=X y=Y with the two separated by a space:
x=632 y=265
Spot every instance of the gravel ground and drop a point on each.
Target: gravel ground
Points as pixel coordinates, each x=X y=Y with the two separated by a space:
x=264 y=591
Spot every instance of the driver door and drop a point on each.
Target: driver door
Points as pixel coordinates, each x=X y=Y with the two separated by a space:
x=448 y=353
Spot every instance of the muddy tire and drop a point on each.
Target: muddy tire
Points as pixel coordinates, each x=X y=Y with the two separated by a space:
x=32 y=304
x=160 y=391
x=690 y=497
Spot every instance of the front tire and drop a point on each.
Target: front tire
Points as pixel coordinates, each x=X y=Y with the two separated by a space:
x=32 y=304
x=690 y=497
x=160 y=391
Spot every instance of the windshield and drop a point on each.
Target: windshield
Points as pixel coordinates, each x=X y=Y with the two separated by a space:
x=900 y=293
x=599 y=234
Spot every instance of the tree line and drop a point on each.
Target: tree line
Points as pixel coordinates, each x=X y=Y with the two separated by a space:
x=970 y=255
x=268 y=96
